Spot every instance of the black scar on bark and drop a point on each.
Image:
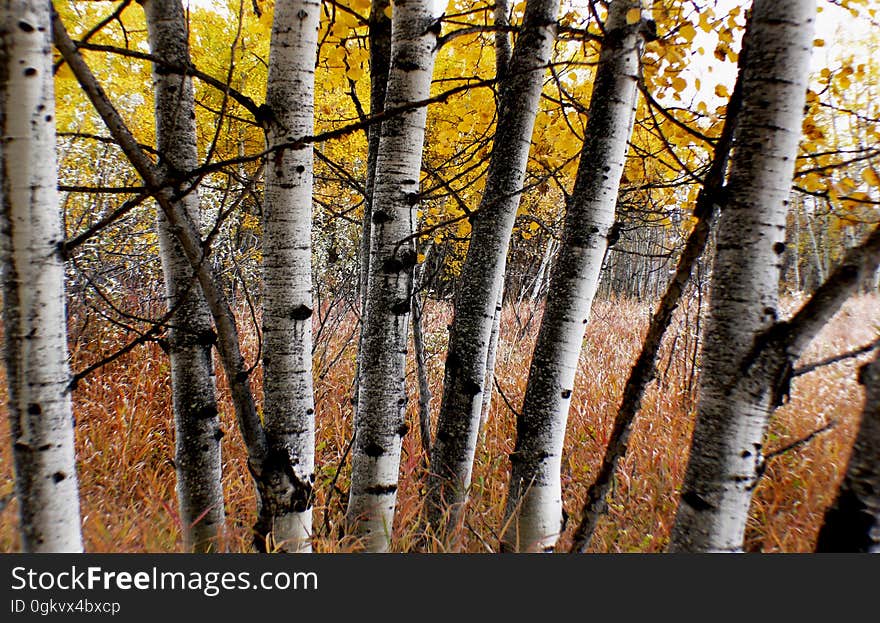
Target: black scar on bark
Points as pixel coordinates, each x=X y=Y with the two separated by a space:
x=471 y=387
x=380 y=217
x=403 y=429
x=301 y=312
x=25 y=26
x=34 y=409
x=300 y=169
x=693 y=499
x=779 y=248
x=400 y=307
x=566 y=393
x=219 y=434
x=373 y=450
x=407 y=66
x=30 y=71
x=206 y=412
x=381 y=489
x=207 y=338
x=58 y=477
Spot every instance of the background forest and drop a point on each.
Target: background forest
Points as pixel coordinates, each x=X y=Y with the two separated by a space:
x=120 y=328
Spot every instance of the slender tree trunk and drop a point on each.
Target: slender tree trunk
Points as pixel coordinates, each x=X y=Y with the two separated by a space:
x=723 y=468
x=381 y=407
x=380 y=63
x=190 y=338
x=288 y=403
x=31 y=232
x=852 y=523
x=503 y=53
x=418 y=337
x=482 y=277
x=534 y=503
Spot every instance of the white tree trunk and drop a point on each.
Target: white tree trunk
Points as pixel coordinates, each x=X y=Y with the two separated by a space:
x=725 y=459
x=381 y=407
x=482 y=276
x=534 y=503
x=289 y=408
x=31 y=233
x=190 y=338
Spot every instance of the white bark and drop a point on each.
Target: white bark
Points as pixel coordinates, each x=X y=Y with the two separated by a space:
x=534 y=504
x=732 y=416
x=196 y=419
x=482 y=277
x=381 y=406
x=31 y=232
x=289 y=408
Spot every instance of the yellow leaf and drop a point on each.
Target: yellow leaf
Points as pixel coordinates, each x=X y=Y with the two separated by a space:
x=688 y=32
x=871 y=178
x=633 y=16
x=388 y=11
x=679 y=83
x=721 y=91
x=819 y=43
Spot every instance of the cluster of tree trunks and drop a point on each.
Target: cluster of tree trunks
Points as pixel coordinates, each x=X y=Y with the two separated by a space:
x=747 y=353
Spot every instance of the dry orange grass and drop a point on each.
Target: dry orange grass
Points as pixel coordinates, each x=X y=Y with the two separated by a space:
x=125 y=439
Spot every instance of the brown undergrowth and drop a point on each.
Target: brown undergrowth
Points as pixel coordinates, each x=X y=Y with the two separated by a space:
x=125 y=438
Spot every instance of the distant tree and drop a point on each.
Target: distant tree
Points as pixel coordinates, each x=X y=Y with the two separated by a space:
x=34 y=323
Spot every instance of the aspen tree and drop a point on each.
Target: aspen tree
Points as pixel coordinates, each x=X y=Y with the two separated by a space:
x=190 y=337
x=533 y=516
x=34 y=320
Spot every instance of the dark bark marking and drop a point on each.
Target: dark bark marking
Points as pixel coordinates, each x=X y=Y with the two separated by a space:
x=403 y=429
x=380 y=217
x=566 y=393
x=373 y=450
x=381 y=489
x=207 y=412
x=400 y=308
x=25 y=26
x=30 y=72
x=779 y=248
x=301 y=312
x=58 y=477
x=693 y=499
x=34 y=409
x=407 y=66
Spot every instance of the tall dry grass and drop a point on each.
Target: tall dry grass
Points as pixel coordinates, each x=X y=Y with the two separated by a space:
x=125 y=437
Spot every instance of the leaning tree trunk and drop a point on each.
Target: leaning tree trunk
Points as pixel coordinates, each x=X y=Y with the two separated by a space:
x=190 y=338
x=288 y=404
x=381 y=407
x=725 y=460
x=482 y=276
x=852 y=522
x=31 y=232
x=534 y=503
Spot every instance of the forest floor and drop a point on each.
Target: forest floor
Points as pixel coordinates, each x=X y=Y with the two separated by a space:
x=124 y=437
